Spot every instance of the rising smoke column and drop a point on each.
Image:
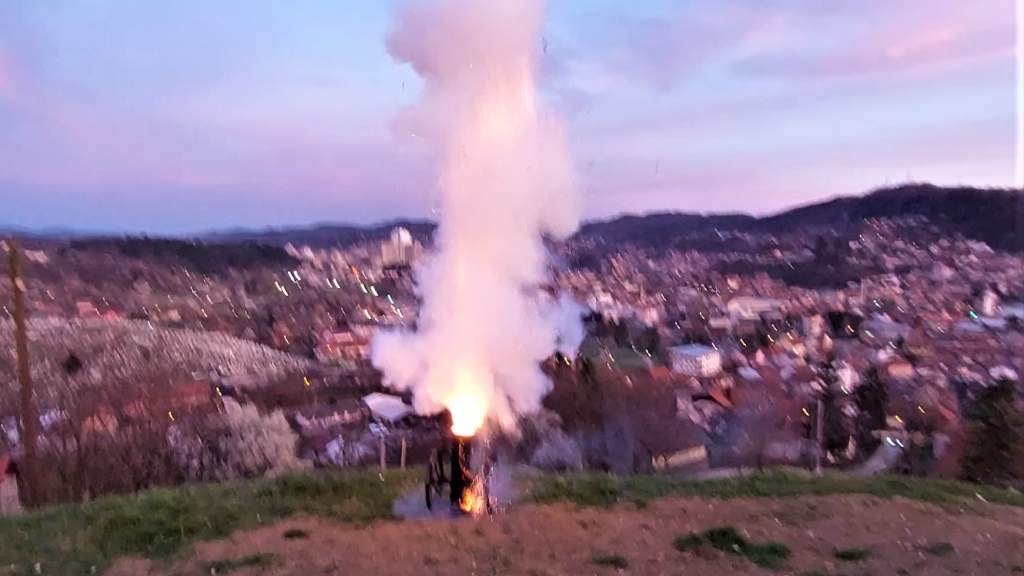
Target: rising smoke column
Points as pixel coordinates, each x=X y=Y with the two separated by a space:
x=505 y=181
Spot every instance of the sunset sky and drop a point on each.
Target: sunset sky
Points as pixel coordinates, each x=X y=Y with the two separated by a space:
x=183 y=116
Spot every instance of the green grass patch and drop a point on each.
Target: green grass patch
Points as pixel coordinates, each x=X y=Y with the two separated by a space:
x=250 y=561
x=772 y=555
x=611 y=560
x=607 y=490
x=78 y=539
x=295 y=534
x=688 y=543
x=851 y=554
x=939 y=549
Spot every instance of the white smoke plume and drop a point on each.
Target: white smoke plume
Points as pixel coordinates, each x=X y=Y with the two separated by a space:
x=505 y=181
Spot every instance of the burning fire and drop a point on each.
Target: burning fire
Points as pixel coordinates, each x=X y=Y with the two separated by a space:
x=474 y=499
x=468 y=406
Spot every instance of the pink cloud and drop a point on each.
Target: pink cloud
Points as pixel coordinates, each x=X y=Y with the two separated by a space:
x=899 y=38
x=108 y=151
x=664 y=49
x=797 y=38
x=940 y=49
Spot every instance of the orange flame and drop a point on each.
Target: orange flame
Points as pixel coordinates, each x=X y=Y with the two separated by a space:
x=468 y=406
x=474 y=499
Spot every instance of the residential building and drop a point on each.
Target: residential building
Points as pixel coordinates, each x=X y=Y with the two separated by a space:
x=695 y=360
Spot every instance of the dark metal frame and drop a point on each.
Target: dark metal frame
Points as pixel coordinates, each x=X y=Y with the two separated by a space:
x=449 y=470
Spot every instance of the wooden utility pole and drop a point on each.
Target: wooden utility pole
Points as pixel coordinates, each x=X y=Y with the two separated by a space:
x=28 y=419
x=819 y=434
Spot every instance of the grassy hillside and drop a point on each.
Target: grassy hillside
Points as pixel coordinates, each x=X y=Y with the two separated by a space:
x=77 y=539
x=604 y=490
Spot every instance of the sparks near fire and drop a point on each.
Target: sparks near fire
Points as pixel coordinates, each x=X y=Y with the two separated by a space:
x=504 y=182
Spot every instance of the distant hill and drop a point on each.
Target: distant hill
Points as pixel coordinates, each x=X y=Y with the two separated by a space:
x=204 y=257
x=662 y=226
x=994 y=216
x=324 y=235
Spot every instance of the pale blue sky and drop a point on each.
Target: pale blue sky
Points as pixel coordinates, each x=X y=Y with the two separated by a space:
x=190 y=115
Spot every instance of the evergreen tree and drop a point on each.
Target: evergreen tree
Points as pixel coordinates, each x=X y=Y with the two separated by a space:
x=621 y=334
x=650 y=341
x=993 y=433
x=836 y=424
x=872 y=398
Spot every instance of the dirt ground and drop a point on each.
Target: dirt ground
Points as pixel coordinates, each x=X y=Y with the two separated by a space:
x=901 y=537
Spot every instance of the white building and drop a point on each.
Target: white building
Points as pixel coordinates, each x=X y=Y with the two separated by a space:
x=989 y=302
x=814 y=326
x=748 y=373
x=883 y=328
x=386 y=407
x=941 y=272
x=37 y=256
x=400 y=248
x=751 y=308
x=695 y=360
x=847 y=376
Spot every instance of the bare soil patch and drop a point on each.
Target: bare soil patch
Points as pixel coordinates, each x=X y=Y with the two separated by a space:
x=891 y=536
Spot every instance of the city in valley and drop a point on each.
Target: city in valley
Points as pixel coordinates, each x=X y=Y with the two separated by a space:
x=713 y=344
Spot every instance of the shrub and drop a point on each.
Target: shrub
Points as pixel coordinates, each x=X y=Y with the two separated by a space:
x=727 y=539
x=558 y=453
x=852 y=554
x=244 y=444
x=993 y=433
x=940 y=549
x=250 y=561
x=612 y=560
